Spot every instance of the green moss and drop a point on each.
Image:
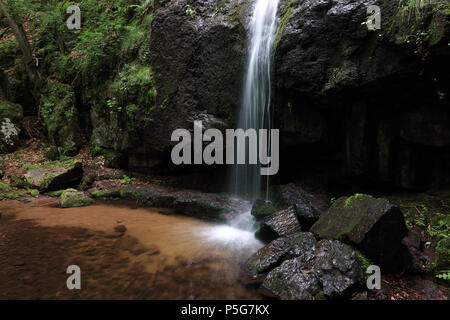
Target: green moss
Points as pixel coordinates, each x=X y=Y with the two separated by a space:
x=55 y=193
x=114 y=193
x=86 y=182
x=73 y=198
x=263 y=209
x=60 y=116
x=286 y=12
x=443 y=254
x=33 y=192
x=4 y=186
x=365 y=263
x=11 y=111
x=9 y=195
x=51 y=153
x=349 y=201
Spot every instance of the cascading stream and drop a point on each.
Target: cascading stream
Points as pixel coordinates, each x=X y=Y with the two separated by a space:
x=256 y=98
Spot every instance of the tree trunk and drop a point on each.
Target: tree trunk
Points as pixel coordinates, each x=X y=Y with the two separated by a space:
x=21 y=38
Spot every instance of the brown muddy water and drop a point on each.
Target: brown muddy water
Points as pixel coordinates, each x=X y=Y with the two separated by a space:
x=159 y=256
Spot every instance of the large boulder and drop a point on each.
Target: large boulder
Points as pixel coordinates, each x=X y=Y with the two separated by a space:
x=375 y=226
x=334 y=268
x=196 y=62
x=11 y=116
x=54 y=175
x=325 y=53
x=288 y=282
x=279 y=224
x=300 y=245
x=307 y=205
x=338 y=268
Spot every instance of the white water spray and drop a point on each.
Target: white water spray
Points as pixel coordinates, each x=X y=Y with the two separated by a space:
x=256 y=99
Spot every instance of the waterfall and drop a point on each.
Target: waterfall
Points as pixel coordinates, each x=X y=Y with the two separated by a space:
x=256 y=97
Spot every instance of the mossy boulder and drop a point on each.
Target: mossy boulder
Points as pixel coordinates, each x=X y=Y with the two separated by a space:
x=54 y=175
x=443 y=254
x=375 y=226
x=73 y=198
x=11 y=115
x=61 y=117
x=6 y=192
x=262 y=209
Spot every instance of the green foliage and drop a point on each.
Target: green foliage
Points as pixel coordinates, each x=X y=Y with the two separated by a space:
x=96 y=150
x=349 y=200
x=190 y=12
x=127 y=180
x=132 y=90
x=365 y=263
x=444 y=275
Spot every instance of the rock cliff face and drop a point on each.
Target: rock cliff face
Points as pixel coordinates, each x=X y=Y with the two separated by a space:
x=349 y=102
x=197 y=61
x=369 y=104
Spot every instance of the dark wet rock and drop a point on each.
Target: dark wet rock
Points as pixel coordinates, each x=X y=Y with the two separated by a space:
x=207 y=206
x=116 y=160
x=337 y=267
x=203 y=205
x=262 y=209
x=324 y=53
x=375 y=226
x=282 y=223
x=54 y=175
x=301 y=245
x=73 y=198
x=288 y=281
x=333 y=267
x=308 y=206
x=11 y=115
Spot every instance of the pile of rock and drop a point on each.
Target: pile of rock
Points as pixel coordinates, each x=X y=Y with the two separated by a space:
x=327 y=261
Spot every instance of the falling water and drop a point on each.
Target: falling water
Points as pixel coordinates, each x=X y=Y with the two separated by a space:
x=255 y=108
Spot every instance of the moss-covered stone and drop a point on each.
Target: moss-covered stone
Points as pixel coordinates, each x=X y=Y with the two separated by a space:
x=16 y=180
x=73 y=198
x=61 y=117
x=114 y=193
x=53 y=175
x=443 y=254
x=52 y=153
x=86 y=182
x=262 y=209
x=374 y=225
x=33 y=192
x=4 y=187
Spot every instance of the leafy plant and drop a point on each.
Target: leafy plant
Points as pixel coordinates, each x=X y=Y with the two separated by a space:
x=443 y=274
x=190 y=12
x=127 y=180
